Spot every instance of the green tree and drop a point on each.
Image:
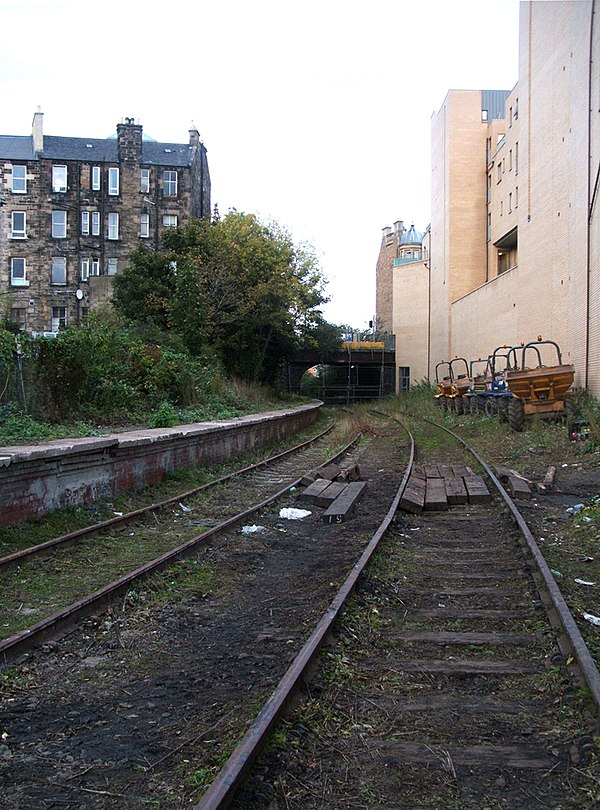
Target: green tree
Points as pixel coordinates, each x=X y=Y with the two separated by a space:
x=236 y=286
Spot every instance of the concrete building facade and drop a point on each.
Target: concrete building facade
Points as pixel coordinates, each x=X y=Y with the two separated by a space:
x=515 y=215
x=72 y=209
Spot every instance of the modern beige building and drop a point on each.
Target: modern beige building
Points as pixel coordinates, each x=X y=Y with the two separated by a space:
x=515 y=233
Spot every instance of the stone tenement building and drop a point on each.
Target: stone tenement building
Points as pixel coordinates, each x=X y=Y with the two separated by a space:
x=72 y=209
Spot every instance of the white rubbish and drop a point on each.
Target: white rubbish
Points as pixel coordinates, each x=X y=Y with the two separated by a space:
x=254 y=529
x=118 y=514
x=591 y=619
x=289 y=513
x=584 y=582
x=184 y=508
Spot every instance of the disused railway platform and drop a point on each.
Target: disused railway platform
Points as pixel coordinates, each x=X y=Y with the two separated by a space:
x=35 y=479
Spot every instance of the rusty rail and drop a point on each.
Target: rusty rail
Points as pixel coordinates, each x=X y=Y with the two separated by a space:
x=64 y=620
x=222 y=790
x=11 y=560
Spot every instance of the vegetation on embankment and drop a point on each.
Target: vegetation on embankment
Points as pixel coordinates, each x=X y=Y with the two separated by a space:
x=198 y=330
x=105 y=375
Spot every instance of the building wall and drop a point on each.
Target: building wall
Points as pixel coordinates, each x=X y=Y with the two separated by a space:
x=410 y=296
x=545 y=291
x=458 y=209
x=593 y=197
x=36 y=299
x=388 y=251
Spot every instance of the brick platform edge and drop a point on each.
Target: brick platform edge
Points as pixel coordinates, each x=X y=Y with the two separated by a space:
x=35 y=479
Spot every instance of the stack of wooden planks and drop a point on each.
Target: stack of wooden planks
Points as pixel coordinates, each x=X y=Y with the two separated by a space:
x=434 y=487
x=335 y=488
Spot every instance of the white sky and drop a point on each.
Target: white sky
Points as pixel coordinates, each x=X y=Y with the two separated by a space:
x=315 y=113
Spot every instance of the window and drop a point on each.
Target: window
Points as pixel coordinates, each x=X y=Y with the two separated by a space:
x=85 y=269
x=145 y=225
x=484 y=115
x=96 y=178
x=516 y=196
x=59 y=318
x=510 y=202
x=501 y=208
x=170 y=184
x=18 y=225
x=113 y=182
x=145 y=181
x=510 y=116
x=95 y=223
x=59 y=270
x=85 y=222
x=95 y=271
x=404 y=375
x=113 y=226
x=59 y=178
x=510 y=161
x=489 y=227
x=516 y=108
x=59 y=224
x=489 y=188
x=18 y=317
x=19 y=179
x=517 y=158
x=111 y=267
x=499 y=175
x=18 y=273
x=170 y=220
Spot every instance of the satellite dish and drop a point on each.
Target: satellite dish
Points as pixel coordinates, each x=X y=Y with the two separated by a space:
x=79 y=295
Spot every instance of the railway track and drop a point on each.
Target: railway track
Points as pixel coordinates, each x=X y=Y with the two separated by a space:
x=141 y=704
x=452 y=683
x=446 y=687
x=42 y=597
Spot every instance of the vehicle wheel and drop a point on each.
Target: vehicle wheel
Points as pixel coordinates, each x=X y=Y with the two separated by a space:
x=503 y=410
x=571 y=406
x=459 y=405
x=479 y=405
x=490 y=407
x=450 y=405
x=516 y=414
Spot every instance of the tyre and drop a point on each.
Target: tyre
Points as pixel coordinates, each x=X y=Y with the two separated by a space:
x=490 y=407
x=503 y=410
x=516 y=414
x=459 y=405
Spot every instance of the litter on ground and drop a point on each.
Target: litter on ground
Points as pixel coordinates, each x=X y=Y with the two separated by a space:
x=289 y=513
x=254 y=529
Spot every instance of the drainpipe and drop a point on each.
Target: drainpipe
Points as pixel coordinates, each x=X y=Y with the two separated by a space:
x=590 y=202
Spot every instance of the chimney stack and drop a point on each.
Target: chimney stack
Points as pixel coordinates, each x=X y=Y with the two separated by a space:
x=194 y=135
x=37 y=131
x=129 y=141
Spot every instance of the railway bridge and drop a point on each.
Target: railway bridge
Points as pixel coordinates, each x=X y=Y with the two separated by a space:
x=357 y=372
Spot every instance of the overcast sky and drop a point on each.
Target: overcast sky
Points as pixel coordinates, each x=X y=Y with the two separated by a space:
x=315 y=113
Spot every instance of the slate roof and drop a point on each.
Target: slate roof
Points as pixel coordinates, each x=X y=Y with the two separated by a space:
x=92 y=150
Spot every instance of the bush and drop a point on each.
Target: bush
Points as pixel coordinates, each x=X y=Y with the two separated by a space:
x=164 y=416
